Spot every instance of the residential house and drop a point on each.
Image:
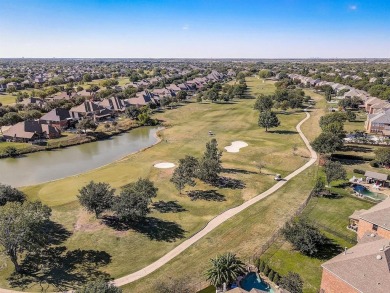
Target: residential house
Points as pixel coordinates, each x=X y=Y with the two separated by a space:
x=378 y=122
x=114 y=104
x=33 y=101
x=90 y=109
x=363 y=268
x=29 y=131
x=144 y=98
x=58 y=117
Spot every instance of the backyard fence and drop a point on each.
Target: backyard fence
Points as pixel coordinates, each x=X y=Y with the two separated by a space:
x=263 y=248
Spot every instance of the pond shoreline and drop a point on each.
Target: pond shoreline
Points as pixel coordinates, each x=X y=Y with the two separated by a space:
x=79 y=140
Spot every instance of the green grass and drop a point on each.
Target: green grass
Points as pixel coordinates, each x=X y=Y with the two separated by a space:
x=187 y=133
x=7 y=99
x=332 y=217
x=243 y=234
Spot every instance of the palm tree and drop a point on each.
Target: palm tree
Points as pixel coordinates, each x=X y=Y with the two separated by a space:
x=224 y=268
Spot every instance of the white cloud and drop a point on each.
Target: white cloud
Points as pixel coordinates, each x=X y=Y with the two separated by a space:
x=352 y=7
x=185 y=27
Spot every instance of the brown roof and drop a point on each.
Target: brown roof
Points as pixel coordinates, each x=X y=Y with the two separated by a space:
x=378 y=214
x=58 y=114
x=27 y=130
x=364 y=266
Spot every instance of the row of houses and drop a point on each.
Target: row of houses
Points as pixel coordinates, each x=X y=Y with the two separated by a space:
x=52 y=123
x=365 y=267
x=378 y=110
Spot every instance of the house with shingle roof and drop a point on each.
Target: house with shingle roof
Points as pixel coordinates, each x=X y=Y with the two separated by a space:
x=114 y=104
x=58 y=117
x=89 y=109
x=378 y=122
x=364 y=268
x=29 y=131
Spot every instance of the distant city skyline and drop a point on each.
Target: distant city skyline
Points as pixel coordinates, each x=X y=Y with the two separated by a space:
x=194 y=29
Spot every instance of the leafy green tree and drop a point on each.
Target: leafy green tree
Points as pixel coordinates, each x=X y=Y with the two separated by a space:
x=181 y=95
x=224 y=268
x=11 y=151
x=264 y=103
x=303 y=236
x=292 y=282
x=327 y=143
x=266 y=270
x=382 y=156
x=11 y=89
x=11 y=118
x=265 y=73
x=268 y=119
x=210 y=164
x=21 y=228
x=96 y=197
x=335 y=128
x=132 y=112
x=334 y=171
x=10 y=194
x=93 y=88
x=271 y=274
x=351 y=116
x=318 y=187
x=276 y=278
x=99 y=286
x=87 y=77
x=261 y=265
x=133 y=202
x=86 y=124
x=331 y=118
x=185 y=173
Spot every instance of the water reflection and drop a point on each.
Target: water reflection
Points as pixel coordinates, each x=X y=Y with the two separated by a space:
x=45 y=166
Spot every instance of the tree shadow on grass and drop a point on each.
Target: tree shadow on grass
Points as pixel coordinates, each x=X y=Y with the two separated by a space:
x=226 y=182
x=209 y=195
x=171 y=206
x=283 y=131
x=355 y=148
x=60 y=268
x=328 y=250
x=153 y=228
x=55 y=233
x=235 y=171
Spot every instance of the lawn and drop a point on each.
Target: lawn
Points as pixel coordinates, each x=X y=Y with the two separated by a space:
x=331 y=214
x=6 y=99
x=186 y=133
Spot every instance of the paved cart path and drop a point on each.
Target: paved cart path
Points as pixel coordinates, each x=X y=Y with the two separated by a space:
x=214 y=223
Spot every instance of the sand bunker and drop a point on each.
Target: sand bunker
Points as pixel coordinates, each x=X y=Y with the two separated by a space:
x=165 y=165
x=235 y=146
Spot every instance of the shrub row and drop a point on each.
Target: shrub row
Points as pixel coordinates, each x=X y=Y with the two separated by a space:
x=267 y=271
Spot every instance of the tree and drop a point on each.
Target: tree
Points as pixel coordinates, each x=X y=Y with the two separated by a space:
x=276 y=278
x=132 y=112
x=224 y=268
x=87 y=77
x=210 y=164
x=10 y=194
x=331 y=118
x=11 y=89
x=185 y=173
x=93 y=88
x=334 y=171
x=264 y=103
x=260 y=165
x=133 y=202
x=382 y=156
x=181 y=95
x=327 y=143
x=268 y=119
x=96 y=197
x=10 y=151
x=303 y=236
x=351 y=116
x=86 y=124
x=21 y=228
x=99 y=286
x=292 y=282
x=318 y=187
x=11 y=118
x=265 y=73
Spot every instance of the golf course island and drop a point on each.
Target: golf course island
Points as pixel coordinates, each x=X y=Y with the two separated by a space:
x=93 y=245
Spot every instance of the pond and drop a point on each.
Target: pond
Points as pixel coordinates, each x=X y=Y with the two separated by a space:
x=45 y=166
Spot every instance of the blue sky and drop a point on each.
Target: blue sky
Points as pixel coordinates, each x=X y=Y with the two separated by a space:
x=195 y=29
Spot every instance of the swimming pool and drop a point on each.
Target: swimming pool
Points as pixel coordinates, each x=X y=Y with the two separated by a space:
x=364 y=191
x=253 y=280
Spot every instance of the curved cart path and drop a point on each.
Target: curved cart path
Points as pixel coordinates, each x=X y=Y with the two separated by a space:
x=214 y=223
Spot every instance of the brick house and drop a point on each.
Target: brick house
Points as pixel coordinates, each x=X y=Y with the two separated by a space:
x=366 y=266
x=29 y=131
x=58 y=117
